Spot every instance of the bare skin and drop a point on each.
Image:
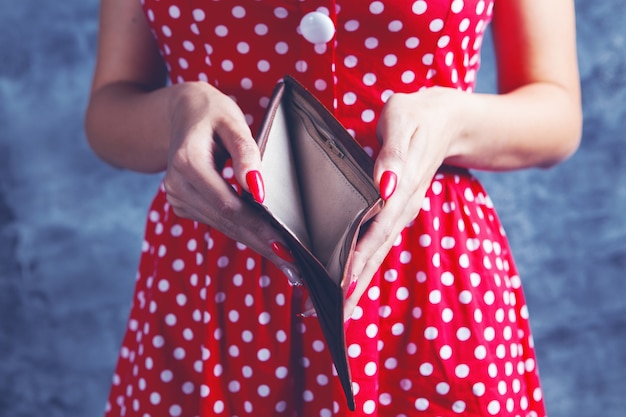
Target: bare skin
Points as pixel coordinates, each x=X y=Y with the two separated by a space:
x=135 y=122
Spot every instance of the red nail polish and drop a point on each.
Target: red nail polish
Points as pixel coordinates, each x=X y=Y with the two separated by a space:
x=351 y=289
x=255 y=184
x=284 y=253
x=388 y=182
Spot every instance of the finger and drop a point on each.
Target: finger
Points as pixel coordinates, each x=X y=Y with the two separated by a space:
x=395 y=137
x=372 y=249
x=234 y=134
x=219 y=206
x=369 y=266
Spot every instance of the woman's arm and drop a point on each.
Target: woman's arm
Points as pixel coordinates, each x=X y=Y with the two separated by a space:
x=135 y=121
x=126 y=120
x=535 y=121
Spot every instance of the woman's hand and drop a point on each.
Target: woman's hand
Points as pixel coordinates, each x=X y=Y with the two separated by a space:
x=416 y=131
x=206 y=128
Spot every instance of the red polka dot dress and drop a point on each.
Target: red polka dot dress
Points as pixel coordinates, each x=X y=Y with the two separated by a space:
x=442 y=330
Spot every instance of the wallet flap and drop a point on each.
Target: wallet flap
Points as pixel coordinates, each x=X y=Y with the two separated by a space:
x=319 y=192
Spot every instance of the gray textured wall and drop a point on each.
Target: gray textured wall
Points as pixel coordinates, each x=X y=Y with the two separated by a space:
x=70 y=227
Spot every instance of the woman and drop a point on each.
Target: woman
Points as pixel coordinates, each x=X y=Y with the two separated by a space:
x=437 y=322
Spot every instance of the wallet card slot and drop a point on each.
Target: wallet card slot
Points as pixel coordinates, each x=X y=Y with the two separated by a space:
x=331 y=202
x=349 y=168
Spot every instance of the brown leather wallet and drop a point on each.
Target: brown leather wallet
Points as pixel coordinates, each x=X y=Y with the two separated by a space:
x=320 y=193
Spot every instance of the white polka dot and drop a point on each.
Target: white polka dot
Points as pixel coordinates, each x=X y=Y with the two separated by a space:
x=307 y=396
x=371 y=43
x=489 y=297
x=412 y=42
x=261 y=29
x=408 y=77
x=281 y=372
x=239 y=12
x=445 y=352
x=447 y=278
x=436 y=25
x=318 y=346
x=421 y=404
x=174 y=12
x=464 y=25
x=462 y=371
x=263 y=391
x=397 y=329
x=369 y=79
x=281 y=336
x=263 y=65
x=391 y=363
x=155 y=398
x=351 y=25
x=478 y=389
x=264 y=318
x=371 y=369
x=390 y=60
x=371 y=331
x=405 y=257
x=354 y=350
x=458 y=406
x=281 y=48
x=170 y=319
x=178 y=265
x=425 y=241
x=322 y=380
x=179 y=353
x=426 y=369
x=419 y=7
x=431 y=333
x=198 y=15
x=436 y=258
x=163 y=285
x=234 y=386
x=463 y=334
x=263 y=355
x=221 y=31
x=457 y=6
x=464 y=261
x=442 y=388
x=373 y=293
x=402 y=294
x=494 y=407
x=369 y=407
x=489 y=334
x=368 y=115
x=465 y=297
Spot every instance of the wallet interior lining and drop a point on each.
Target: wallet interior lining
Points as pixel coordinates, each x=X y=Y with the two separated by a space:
x=306 y=190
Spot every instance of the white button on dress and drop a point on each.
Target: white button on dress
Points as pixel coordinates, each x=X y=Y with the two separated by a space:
x=317 y=28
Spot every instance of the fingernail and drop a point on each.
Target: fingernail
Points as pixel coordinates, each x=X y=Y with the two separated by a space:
x=255 y=184
x=351 y=289
x=282 y=251
x=388 y=182
x=292 y=276
x=308 y=313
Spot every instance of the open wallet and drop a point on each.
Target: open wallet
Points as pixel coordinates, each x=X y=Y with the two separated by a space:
x=320 y=194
